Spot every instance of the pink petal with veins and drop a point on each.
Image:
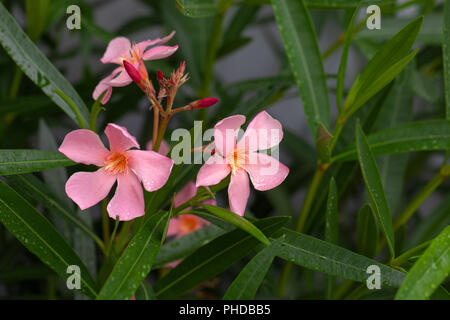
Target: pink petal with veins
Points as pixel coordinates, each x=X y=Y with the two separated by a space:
x=212 y=172
x=152 y=168
x=87 y=189
x=265 y=171
x=117 y=48
x=84 y=146
x=262 y=133
x=238 y=192
x=128 y=201
x=159 y=52
x=120 y=140
x=225 y=133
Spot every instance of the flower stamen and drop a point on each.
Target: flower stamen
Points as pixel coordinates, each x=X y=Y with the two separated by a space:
x=117 y=163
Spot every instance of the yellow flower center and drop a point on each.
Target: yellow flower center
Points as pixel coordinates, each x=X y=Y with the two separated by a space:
x=117 y=163
x=236 y=160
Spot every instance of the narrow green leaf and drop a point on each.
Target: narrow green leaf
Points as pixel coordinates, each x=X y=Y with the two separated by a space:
x=37 y=234
x=410 y=137
x=36 y=66
x=319 y=255
x=136 y=261
x=300 y=42
x=198 y=8
x=246 y=284
x=388 y=62
x=331 y=227
x=446 y=57
x=323 y=139
x=27 y=161
x=429 y=271
x=145 y=292
x=213 y=258
x=182 y=247
x=35 y=189
x=37 y=12
x=344 y=57
x=325 y=4
x=374 y=187
x=237 y=221
x=367 y=233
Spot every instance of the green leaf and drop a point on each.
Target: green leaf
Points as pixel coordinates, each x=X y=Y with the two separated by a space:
x=325 y=4
x=387 y=63
x=398 y=109
x=213 y=258
x=136 y=261
x=198 y=8
x=27 y=161
x=181 y=247
x=319 y=255
x=300 y=42
x=446 y=57
x=246 y=284
x=429 y=271
x=374 y=187
x=36 y=66
x=331 y=227
x=237 y=221
x=367 y=233
x=37 y=234
x=410 y=137
x=344 y=57
x=35 y=189
x=37 y=12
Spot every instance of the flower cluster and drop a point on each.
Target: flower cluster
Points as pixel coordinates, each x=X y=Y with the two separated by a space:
x=242 y=158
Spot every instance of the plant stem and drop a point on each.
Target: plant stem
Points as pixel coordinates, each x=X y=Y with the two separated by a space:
x=214 y=44
x=15 y=84
x=418 y=200
x=408 y=254
x=105 y=222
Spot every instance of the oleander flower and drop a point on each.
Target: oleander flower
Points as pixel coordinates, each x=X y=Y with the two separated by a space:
x=120 y=49
x=242 y=159
x=129 y=167
x=186 y=223
x=164 y=147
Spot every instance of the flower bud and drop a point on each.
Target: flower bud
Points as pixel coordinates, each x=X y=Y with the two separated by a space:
x=207 y=102
x=160 y=76
x=132 y=72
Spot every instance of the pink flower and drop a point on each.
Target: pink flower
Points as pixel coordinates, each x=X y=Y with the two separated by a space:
x=128 y=167
x=186 y=223
x=241 y=159
x=119 y=50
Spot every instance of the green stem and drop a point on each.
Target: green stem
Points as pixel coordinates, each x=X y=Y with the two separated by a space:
x=123 y=236
x=15 y=84
x=105 y=222
x=408 y=254
x=112 y=237
x=309 y=199
x=418 y=200
x=214 y=44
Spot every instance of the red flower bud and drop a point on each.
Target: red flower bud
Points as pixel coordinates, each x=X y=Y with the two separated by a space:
x=160 y=76
x=207 y=102
x=132 y=72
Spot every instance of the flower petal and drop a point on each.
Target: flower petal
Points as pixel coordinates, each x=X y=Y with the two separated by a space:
x=122 y=80
x=144 y=44
x=87 y=189
x=159 y=52
x=238 y=192
x=128 y=201
x=164 y=147
x=152 y=168
x=186 y=193
x=117 y=48
x=212 y=172
x=265 y=171
x=84 y=146
x=120 y=139
x=173 y=227
x=262 y=133
x=225 y=133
